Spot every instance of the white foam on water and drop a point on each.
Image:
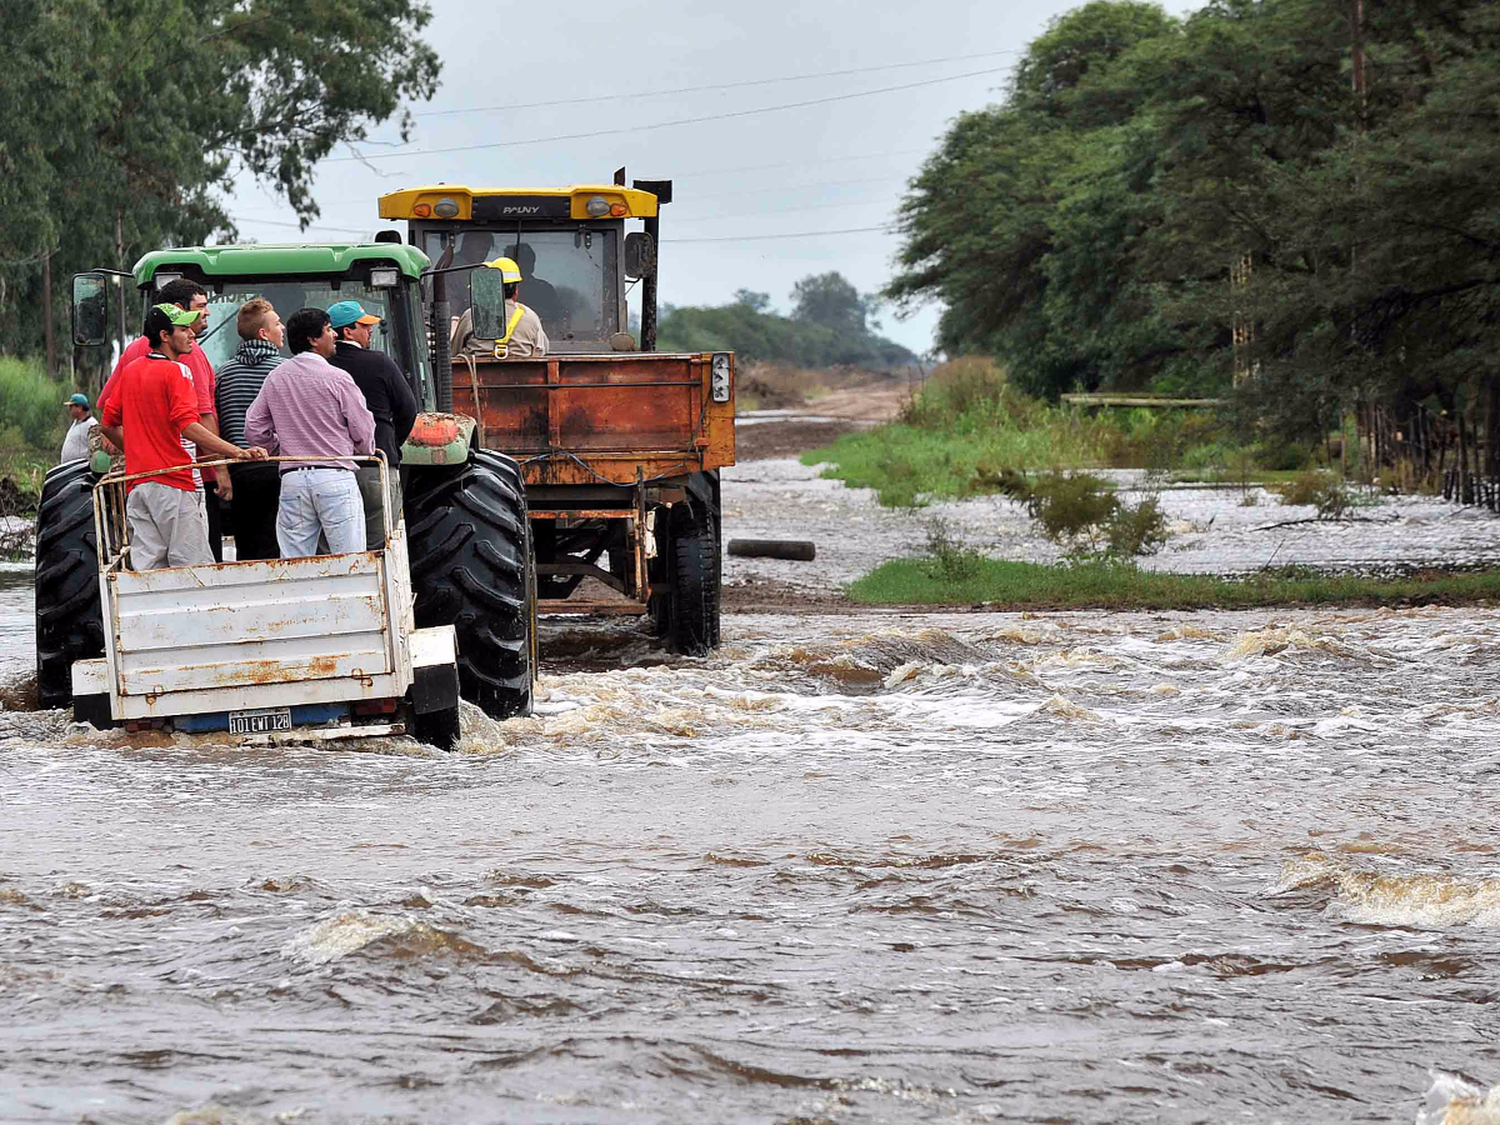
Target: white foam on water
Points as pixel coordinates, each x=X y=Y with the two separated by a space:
x=1419 y=900
x=1454 y=1101
x=343 y=934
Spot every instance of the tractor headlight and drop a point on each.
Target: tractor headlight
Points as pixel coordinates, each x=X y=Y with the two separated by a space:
x=720 y=380
x=384 y=278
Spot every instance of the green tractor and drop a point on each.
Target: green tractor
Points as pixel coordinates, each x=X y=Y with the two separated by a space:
x=465 y=507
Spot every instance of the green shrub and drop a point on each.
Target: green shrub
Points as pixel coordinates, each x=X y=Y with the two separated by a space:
x=1323 y=491
x=952 y=561
x=31 y=403
x=1280 y=455
x=1071 y=505
x=1137 y=529
x=1006 y=481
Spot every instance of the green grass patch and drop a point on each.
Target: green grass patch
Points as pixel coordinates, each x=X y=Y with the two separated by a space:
x=968 y=427
x=1113 y=585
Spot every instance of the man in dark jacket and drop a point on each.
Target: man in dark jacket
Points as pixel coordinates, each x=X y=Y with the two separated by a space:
x=388 y=397
x=257 y=487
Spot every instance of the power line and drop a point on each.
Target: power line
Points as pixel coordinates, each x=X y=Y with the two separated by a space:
x=367 y=199
x=803 y=163
x=662 y=124
x=705 y=89
x=846 y=205
x=773 y=237
x=298 y=226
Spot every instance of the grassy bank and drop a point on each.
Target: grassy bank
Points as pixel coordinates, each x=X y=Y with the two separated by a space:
x=968 y=425
x=974 y=580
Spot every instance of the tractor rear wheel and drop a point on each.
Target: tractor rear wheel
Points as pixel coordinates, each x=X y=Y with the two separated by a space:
x=471 y=568
x=69 y=623
x=693 y=609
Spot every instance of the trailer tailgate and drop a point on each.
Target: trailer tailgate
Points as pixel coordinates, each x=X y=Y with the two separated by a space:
x=232 y=625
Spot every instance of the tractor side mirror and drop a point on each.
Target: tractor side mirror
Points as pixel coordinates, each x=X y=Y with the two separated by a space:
x=640 y=254
x=90 y=309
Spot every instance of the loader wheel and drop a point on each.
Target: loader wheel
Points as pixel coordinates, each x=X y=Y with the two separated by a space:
x=693 y=608
x=471 y=568
x=69 y=624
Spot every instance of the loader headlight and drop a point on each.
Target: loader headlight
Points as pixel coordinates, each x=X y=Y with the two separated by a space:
x=720 y=380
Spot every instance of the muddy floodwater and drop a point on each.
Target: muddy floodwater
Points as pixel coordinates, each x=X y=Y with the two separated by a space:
x=853 y=868
x=985 y=867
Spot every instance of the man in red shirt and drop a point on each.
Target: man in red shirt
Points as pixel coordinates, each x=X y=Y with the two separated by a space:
x=191 y=297
x=153 y=409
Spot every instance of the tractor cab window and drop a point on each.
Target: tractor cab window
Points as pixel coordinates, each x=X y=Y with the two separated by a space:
x=568 y=278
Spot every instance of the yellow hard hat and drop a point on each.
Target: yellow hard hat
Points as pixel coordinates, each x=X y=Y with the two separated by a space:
x=509 y=271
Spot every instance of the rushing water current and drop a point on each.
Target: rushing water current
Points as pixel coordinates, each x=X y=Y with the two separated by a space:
x=970 y=868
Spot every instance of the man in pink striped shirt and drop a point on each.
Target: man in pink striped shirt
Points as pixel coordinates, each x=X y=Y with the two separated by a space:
x=309 y=408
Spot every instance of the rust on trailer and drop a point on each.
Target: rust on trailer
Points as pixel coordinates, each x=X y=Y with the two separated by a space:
x=587 y=419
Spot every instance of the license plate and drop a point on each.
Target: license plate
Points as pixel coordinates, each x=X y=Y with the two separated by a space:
x=260 y=721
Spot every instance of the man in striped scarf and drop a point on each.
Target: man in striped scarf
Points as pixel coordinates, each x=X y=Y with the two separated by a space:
x=257 y=488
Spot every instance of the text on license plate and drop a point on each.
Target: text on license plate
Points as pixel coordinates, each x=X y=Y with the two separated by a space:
x=260 y=721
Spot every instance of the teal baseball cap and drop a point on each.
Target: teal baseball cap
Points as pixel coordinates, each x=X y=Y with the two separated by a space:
x=78 y=400
x=344 y=313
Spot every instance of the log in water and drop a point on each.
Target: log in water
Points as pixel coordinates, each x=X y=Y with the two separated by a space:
x=794 y=549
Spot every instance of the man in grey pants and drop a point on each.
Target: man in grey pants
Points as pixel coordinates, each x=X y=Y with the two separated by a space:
x=153 y=411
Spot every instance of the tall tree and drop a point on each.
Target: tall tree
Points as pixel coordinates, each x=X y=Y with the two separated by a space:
x=122 y=122
x=1025 y=222
x=830 y=300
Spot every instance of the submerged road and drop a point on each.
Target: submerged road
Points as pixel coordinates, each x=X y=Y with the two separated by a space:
x=924 y=868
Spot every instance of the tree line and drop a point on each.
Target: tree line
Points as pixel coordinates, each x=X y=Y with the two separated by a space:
x=124 y=122
x=1302 y=191
x=831 y=324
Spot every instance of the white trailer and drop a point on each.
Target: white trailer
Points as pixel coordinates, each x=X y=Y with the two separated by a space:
x=285 y=650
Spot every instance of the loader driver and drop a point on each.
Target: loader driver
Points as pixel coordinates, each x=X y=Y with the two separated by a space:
x=521 y=336
x=156 y=407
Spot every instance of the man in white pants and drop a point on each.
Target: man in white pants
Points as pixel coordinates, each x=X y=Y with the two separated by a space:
x=309 y=408
x=154 y=409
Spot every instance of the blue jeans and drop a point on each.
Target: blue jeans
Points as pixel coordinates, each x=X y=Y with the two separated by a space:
x=319 y=500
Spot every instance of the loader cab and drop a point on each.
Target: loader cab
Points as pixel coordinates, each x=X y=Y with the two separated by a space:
x=578 y=256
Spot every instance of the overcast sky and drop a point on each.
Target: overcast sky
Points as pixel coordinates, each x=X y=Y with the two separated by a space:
x=809 y=171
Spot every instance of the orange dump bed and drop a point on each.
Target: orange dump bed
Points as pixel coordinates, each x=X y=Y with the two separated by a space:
x=574 y=419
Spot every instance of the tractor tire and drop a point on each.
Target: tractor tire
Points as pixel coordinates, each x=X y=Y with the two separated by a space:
x=510 y=469
x=693 y=609
x=471 y=568
x=438 y=729
x=69 y=622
